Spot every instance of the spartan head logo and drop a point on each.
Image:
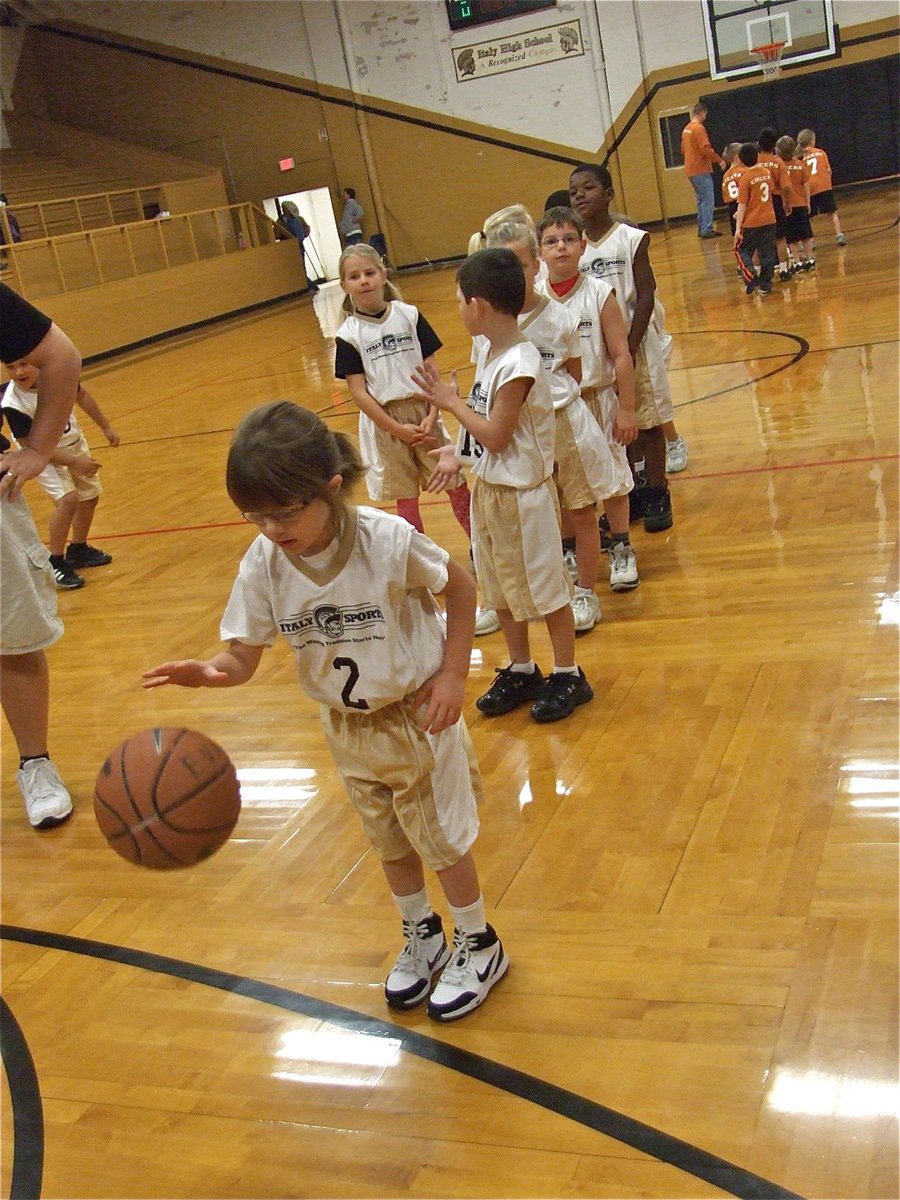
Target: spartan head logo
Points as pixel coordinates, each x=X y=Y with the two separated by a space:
x=568 y=39
x=465 y=62
x=329 y=620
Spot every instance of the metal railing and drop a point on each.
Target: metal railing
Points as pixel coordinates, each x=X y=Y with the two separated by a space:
x=49 y=266
x=75 y=214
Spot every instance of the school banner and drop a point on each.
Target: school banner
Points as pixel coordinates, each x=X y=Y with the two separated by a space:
x=499 y=55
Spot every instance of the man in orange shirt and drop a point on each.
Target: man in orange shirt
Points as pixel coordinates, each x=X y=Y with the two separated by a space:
x=699 y=157
x=754 y=222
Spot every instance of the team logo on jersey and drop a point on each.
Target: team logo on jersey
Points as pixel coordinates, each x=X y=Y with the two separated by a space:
x=585 y=325
x=333 y=621
x=600 y=267
x=391 y=343
x=477 y=400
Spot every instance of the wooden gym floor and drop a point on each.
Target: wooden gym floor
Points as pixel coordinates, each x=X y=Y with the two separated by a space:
x=695 y=876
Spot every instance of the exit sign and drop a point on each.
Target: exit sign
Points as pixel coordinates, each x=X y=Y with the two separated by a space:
x=286 y=164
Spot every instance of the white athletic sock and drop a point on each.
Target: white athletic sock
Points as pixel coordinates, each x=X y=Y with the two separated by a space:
x=565 y=670
x=526 y=668
x=415 y=907
x=470 y=919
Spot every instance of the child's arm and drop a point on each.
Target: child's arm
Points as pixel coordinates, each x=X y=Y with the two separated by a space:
x=427 y=424
x=410 y=434
x=495 y=433
x=645 y=294
x=81 y=462
x=442 y=695
x=228 y=668
x=615 y=336
x=739 y=224
x=88 y=404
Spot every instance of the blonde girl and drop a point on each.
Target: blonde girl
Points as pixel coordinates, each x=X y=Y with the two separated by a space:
x=515 y=214
x=377 y=348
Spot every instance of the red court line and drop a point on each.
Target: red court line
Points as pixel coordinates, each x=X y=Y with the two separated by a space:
x=427 y=501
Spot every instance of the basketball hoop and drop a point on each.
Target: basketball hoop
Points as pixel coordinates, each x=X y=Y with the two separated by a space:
x=769 y=58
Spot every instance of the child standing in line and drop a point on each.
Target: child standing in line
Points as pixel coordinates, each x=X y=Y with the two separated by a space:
x=731 y=179
x=755 y=222
x=798 y=230
x=821 y=193
x=515 y=509
x=584 y=469
x=377 y=348
x=619 y=254
x=781 y=198
x=351 y=591
x=606 y=369
x=70 y=478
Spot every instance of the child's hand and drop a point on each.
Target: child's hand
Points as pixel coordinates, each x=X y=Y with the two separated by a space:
x=189 y=672
x=446 y=475
x=738 y=238
x=625 y=428
x=434 y=390
x=111 y=436
x=442 y=698
x=411 y=435
x=428 y=423
x=86 y=465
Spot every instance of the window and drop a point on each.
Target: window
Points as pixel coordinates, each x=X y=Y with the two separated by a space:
x=670 y=128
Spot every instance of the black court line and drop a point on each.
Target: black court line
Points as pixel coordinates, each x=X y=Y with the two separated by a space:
x=28 y=1113
x=726 y=1176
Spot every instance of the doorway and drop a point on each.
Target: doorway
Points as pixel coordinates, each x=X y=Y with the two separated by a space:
x=322 y=248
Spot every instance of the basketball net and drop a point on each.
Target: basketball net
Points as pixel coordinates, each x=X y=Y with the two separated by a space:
x=769 y=58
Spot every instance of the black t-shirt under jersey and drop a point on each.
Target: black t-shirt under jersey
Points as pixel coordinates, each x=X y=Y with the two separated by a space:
x=22 y=327
x=348 y=361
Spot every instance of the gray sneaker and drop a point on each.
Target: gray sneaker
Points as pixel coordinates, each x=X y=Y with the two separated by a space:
x=623 y=568
x=676 y=455
x=586 y=610
x=486 y=621
x=47 y=800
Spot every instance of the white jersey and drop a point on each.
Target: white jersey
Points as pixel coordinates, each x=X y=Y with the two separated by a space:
x=389 y=348
x=554 y=331
x=360 y=617
x=26 y=402
x=612 y=259
x=528 y=459
x=585 y=301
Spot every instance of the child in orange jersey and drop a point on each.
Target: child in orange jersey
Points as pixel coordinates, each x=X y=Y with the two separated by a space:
x=730 y=180
x=821 y=195
x=798 y=228
x=755 y=222
x=781 y=201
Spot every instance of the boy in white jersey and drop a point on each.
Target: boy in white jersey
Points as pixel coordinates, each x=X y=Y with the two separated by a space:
x=607 y=372
x=583 y=468
x=515 y=510
x=618 y=253
x=351 y=591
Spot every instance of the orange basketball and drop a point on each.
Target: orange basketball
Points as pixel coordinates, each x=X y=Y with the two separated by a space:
x=167 y=798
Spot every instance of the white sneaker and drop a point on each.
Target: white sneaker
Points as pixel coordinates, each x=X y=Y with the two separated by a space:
x=426 y=952
x=47 y=801
x=486 y=621
x=623 y=568
x=586 y=608
x=676 y=455
x=571 y=564
x=478 y=962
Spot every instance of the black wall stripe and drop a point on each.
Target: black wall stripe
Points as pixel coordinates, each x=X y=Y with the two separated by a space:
x=662 y=1146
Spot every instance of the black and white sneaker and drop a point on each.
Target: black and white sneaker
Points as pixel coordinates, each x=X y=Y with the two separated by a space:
x=83 y=555
x=561 y=694
x=478 y=962
x=426 y=952
x=67 y=578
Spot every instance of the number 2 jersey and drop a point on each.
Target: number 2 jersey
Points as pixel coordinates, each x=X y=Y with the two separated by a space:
x=360 y=618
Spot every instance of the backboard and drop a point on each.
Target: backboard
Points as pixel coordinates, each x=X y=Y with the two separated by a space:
x=734 y=28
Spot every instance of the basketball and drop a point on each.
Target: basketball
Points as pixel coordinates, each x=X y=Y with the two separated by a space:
x=167 y=798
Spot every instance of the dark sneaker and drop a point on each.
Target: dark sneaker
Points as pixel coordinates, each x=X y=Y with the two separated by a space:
x=479 y=961
x=509 y=690
x=67 y=578
x=637 y=497
x=658 y=510
x=84 y=555
x=426 y=952
x=561 y=695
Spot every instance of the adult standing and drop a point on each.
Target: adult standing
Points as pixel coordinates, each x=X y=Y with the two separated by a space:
x=28 y=619
x=298 y=227
x=351 y=219
x=699 y=157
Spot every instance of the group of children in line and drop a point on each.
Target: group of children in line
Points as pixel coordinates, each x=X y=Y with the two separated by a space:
x=70 y=478
x=772 y=188
x=570 y=352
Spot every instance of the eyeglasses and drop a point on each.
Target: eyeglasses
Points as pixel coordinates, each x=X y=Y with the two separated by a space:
x=280 y=516
x=568 y=239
